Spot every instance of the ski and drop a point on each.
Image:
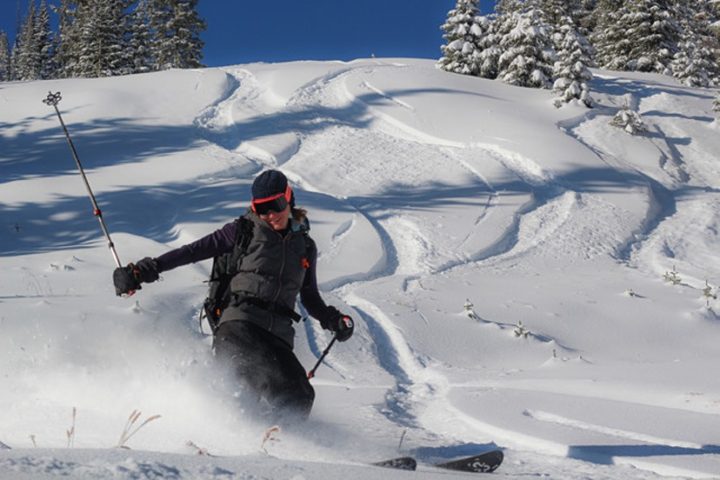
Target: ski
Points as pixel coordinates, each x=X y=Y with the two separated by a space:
x=4 y=447
x=483 y=463
x=486 y=462
x=399 y=463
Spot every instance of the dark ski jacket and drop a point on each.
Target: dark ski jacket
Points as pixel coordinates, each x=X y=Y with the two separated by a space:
x=276 y=267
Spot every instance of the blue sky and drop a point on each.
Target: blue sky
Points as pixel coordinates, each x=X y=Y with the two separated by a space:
x=280 y=30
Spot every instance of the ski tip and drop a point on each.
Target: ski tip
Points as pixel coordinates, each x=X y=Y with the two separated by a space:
x=399 y=463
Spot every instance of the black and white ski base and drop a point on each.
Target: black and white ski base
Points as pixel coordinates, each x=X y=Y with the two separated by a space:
x=486 y=462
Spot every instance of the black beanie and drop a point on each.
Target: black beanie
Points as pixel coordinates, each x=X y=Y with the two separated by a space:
x=269 y=183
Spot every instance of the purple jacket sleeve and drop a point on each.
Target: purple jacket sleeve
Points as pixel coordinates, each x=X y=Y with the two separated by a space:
x=309 y=294
x=219 y=242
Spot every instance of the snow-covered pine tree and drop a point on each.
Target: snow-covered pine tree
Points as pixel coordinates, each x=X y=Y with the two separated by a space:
x=26 y=52
x=460 y=53
x=177 y=27
x=66 y=40
x=561 y=16
x=555 y=13
x=629 y=120
x=527 y=54
x=653 y=35
x=696 y=63
x=583 y=16
x=140 y=40
x=713 y=10
x=188 y=25
x=102 y=26
x=4 y=57
x=609 y=37
x=44 y=42
x=573 y=51
x=488 y=47
x=503 y=7
x=571 y=72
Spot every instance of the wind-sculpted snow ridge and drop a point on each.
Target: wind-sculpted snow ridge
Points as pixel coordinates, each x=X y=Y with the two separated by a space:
x=238 y=121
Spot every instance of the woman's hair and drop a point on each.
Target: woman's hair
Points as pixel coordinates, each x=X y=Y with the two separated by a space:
x=298 y=214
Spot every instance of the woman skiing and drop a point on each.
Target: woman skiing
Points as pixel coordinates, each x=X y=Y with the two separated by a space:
x=255 y=333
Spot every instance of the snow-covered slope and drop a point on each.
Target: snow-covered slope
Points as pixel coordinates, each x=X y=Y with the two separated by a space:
x=504 y=260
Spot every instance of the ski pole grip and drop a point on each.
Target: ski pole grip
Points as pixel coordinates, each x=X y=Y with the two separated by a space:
x=52 y=99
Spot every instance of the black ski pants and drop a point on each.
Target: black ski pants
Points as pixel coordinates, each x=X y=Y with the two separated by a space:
x=266 y=367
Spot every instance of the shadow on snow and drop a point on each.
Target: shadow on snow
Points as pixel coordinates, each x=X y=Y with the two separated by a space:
x=606 y=454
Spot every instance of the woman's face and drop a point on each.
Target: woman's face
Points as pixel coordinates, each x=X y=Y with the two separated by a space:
x=278 y=221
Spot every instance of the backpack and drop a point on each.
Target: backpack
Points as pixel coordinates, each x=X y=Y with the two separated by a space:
x=223 y=270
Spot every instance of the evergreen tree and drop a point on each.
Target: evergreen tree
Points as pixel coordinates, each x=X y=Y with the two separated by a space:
x=140 y=41
x=562 y=17
x=637 y=35
x=26 y=52
x=177 y=27
x=573 y=51
x=629 y=120
x=506 y=7
x=571 y=69
x=527 y=53
x=66 y=42
x=32 y=54
x=488 y=47
x=555 y=12
x=44 y=42
x=583 y=16
x=712 y=10
x=101 y=37
x=695 y=63
x=462 y=31
x=5 y=72
x=653 y=35
x=189 y=25
x=610 y=37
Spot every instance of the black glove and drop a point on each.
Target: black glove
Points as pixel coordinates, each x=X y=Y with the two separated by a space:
x=124 y=280
x=128 y=279
x=340 y=323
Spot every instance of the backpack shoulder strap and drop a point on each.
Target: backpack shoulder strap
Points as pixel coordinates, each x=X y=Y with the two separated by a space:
x=244 y=233
x=243 y=237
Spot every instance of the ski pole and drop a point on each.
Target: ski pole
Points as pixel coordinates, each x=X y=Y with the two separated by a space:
x=53 y=99
x=311 y=373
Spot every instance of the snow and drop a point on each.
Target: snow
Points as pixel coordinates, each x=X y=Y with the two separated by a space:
x=426 y=190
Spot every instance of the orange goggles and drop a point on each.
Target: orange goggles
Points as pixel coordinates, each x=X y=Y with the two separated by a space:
x=276 y=203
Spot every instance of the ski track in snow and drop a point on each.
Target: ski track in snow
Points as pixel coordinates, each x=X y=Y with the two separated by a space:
x=640 y=437
x=421 y=390
x=661 y=199
x=417 y=387
x=419 y=398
